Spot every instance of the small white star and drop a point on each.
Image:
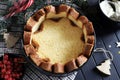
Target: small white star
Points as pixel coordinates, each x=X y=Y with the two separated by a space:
x=109 y=46
x=118 y=44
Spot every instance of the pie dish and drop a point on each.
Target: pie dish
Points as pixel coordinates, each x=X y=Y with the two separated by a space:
x=58 y=39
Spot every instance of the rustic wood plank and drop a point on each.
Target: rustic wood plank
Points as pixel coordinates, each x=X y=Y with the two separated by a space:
x=100 y=32
x=118 y=34
x=109 y=39
x=88 y=70
x=80 y=76
x=99 y=58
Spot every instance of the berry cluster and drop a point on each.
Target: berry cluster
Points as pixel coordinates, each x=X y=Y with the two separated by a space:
x=11 y=68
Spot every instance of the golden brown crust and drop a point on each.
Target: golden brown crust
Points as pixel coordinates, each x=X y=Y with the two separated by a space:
x=38 y=14
x=90 y=39
x=50 y=8
x=35 y=19
x=27 y=37
x=81 y=60
x=50 y=11
x=46 y=66
x=46 y=60
x=89 y=28
x=71 y=65
x=88 y=49
x=73 y=13
x=83 y=19
x=30 y=23
x=58 y=68
x=29 y=49
x=36 y=59
x=35 y=44
x=63 y=8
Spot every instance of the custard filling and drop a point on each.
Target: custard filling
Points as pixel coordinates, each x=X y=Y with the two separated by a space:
x=59 y=41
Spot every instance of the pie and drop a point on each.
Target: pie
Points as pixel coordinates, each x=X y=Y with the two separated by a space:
x=58 y=38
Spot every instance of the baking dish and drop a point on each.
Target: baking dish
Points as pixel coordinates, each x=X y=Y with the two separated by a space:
x=47 y=72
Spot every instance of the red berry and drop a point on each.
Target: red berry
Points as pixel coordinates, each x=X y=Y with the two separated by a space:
x=14 y=75
x=5 y=61
x=0 y=62
x=13 y=79
x=8 y=66
x=6 y=57
x=8 y=72
x=1 y=65
x=17 y=76
x=8 y=63
x=6 y=76
x=10 y=78
x=15 y=60
x=3 y=71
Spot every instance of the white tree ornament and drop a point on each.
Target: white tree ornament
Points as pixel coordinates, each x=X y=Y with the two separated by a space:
x=105 y=67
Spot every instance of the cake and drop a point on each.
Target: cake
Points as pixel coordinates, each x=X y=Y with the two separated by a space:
x=58 y=39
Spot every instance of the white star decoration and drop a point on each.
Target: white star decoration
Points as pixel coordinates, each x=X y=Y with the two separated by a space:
x=118 y=44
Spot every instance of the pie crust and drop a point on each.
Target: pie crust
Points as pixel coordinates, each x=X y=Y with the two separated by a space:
x=58 y=38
